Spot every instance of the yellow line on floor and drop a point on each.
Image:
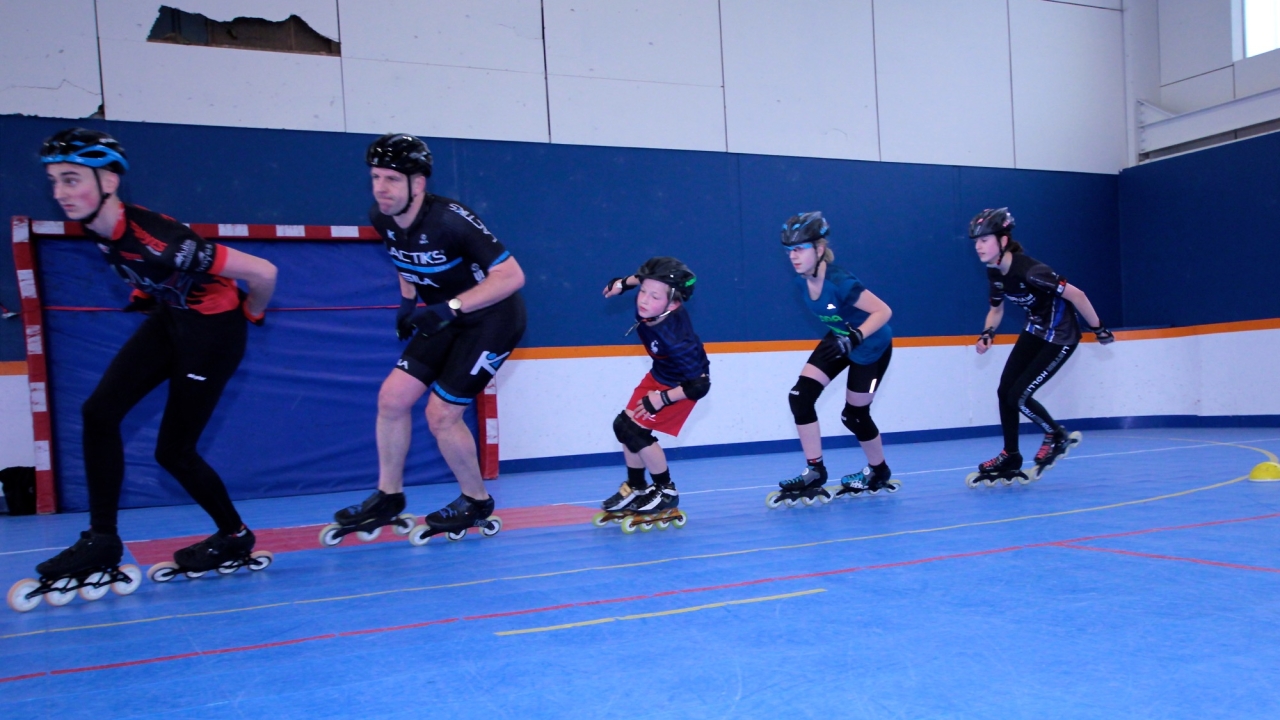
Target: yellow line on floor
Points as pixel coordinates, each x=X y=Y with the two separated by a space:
x=677 y=611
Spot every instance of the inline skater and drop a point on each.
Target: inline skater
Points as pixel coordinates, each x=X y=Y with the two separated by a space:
x=472 y=320
x=665 y=397
x=860 y=339
x=1044 y=345
x=193 y=335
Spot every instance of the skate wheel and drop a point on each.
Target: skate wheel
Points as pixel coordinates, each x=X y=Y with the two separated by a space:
x=808 y=501
x=20 y=595
x=1006 y=481
x=62 y=594
x=419 y=535
x=990 y=482
x=664 y=524
x=195 y=574
x=491 y=528
x=456 y=535
x=628 y=525
x=403 y=524
x=162 y=571
x=892 y=486
x=972 y=480
x=791 y=502
x=329 y=535
x=645 y=526
x=260 y=560
x=1024 y=480
x=773 y=500
x=825 y=497
x=600 y=519
x=678 y=521
x=1073 y=439
x=95 y=587
x=227 y=567
x=369 y=535
x=120 y=587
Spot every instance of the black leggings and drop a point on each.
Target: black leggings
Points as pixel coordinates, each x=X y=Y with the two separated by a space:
x=1030 y=365
x=197 y=354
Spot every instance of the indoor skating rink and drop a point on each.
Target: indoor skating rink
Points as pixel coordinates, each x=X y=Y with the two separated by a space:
x=1136 y=579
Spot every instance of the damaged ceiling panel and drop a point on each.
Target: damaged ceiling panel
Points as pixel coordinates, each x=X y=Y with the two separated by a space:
x=133 y=20
x=290 y=35
x=48 y=68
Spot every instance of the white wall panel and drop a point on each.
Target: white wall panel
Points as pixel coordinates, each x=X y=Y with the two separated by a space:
x=488 y=34
x=17 y=449
x=944 y=87
x=622 y=113
x=1201 y=91
x=815 y=98
x=668 y=41
x=1068 y=87
x=442 y=101
x=49 y=59
x=1108 y=4
x=1195 y=38
x=1141 y=64
x=1257 y=74
x=1239 y=373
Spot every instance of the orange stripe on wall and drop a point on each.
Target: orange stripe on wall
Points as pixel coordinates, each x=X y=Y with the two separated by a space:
x=14 y=367
x=600 y=351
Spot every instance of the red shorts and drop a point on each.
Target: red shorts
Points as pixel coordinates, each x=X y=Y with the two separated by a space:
x=669 y=419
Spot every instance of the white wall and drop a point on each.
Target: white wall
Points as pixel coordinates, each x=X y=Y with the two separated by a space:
x=1001 y=83
x=1200 y=63
x=16 y=435
x=925 y=388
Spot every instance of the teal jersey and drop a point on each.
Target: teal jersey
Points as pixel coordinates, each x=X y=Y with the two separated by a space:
x=835 y=308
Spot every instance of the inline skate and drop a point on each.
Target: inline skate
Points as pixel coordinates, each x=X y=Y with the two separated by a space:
x=656 y=506
x=1003 y=468
x=88 y=568
x=224 y=553
x=807 y=488
x=868 y=481
x=368 y=518
x=456 y=518
x=1055 y=447
x=618 y=505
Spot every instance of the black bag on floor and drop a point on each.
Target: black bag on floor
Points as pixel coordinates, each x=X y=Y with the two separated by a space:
x=19 y=489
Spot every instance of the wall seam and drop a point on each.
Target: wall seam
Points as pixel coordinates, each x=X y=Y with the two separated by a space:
x=875 y=78
x=342 y=66
x=724 y=91
x=1013 y=116
x=546 y=70
x=102 y=83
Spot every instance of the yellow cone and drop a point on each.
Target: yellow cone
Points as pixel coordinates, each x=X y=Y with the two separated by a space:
x=1265 y=472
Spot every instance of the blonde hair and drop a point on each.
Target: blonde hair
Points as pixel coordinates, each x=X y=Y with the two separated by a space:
x=827 y=256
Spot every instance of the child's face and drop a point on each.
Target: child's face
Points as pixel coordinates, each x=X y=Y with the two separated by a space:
x=654 y=299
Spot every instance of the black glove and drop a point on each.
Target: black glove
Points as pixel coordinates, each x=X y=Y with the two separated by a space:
x=140 y=302
x=404 y=330
x=431 y=319
x=988 y=336
x=845 y=344
x=622 y=280
x=1105 y=337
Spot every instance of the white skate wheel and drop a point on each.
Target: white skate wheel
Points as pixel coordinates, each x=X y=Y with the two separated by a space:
x=162 y=571
x=18 y=599
x=329 y=535
x=629 y=524
x=664 y=524
x=493 y=527
x=600 y=519
x=95 y=587
x=419 y=535
x=195 y=574
x=260 y=560
x=679 y=521
x=403 y=524
x=972 y=480
x=456 y=535
x=790 y=502
x=120 y=587
x=808 y=501
x=370 y=535
x=773 y=500
x=893 y=486
x=58 y=598
x=1024 y=480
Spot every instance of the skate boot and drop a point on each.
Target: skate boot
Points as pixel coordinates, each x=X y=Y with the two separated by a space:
x=1004 y=468
x=655 y=507
x=868 y=481
x=807 y=488
x=618 y=506
x=1056 y=445
x=368 y=518
x=224 y=553
x=456 y=518
x=90 y=567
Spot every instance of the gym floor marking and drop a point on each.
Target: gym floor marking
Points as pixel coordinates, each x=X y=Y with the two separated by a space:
x=677 y=611
x=1153 y=556
x=469 y=583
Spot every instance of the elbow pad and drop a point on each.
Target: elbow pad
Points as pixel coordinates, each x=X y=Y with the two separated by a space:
x=697 y=388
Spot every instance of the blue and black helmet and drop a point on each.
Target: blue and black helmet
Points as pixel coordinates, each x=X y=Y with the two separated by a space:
x=90 y=148
x=805 y=228
x=670 y=272
x=401 y=152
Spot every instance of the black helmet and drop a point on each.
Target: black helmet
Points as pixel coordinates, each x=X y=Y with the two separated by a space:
x=671 y=272
x=804 y=228
x=90 y=148
x=400 y=152
x=991 y=222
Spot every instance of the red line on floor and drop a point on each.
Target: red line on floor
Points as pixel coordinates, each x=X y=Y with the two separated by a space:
x=1153 y=556
x=1069 y=543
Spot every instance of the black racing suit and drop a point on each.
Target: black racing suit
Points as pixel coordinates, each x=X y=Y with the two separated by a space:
x=446 y=251
x=194 y=338
x=1049 y=338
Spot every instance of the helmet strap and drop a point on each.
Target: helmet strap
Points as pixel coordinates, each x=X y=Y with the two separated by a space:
x=407 y=203
x=102 y=200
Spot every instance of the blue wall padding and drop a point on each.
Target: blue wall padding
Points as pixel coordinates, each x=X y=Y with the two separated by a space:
x=574 y=216
x=1202 y=235
x=298 y=417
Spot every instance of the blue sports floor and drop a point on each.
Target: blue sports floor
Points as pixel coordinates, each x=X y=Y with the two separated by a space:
x=1138 y=579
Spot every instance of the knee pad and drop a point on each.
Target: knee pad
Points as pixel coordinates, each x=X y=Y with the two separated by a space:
x=803 y=399
x=631 y=435
x=858 y=419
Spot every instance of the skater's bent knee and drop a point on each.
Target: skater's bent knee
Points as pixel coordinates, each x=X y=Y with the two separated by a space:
x=98 y=412
x=804 y=400
x=858 y=419
x=631 y=435
x=177 y=460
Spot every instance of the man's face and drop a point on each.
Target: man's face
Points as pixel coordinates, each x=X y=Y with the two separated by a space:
x=76 y=190
x=390 y=190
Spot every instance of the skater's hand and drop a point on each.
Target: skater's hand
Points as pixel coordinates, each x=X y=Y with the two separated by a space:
x=616 y=287
x=404 y=330
x=640 y=412
x=432 y=318
x=985 y=339
x=1105 y=336
x=653 y=403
